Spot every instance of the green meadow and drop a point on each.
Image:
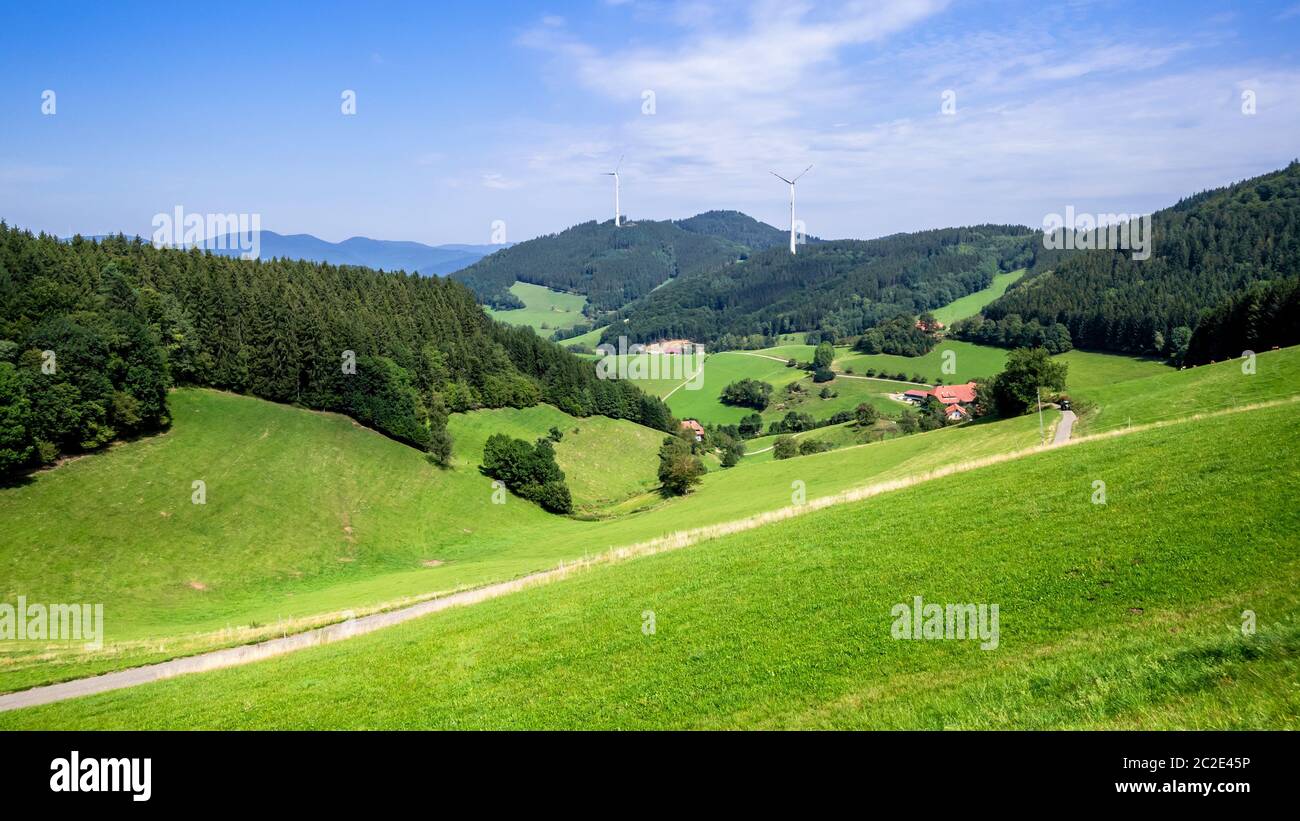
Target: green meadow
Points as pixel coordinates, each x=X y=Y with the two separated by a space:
x=309 y=515
x=544 y=309
x=720 y=370
x=590 y=339
x=969 y=361
x=605 y=461
x=972 y=304
x=1122 y=615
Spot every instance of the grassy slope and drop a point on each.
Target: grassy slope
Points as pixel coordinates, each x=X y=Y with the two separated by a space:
x=1090 y=370
x=849 y=394
x=590 y=338
x=278 y=558
x=970 y=362
x=1171 y=394
x=720 y=370
x=269 y=542
x=604 y=460
x=1122 y=615
x=972 y=304
x=544 y=309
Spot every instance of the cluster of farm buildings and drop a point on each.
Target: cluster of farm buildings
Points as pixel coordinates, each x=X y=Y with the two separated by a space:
x=956 y=399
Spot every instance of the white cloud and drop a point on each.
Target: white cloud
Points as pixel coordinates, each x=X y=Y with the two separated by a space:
x=1048 y=115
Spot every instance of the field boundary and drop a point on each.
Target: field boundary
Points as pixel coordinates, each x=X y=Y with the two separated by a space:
x=246 y=654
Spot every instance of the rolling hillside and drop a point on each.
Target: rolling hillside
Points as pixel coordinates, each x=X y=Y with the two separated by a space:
x=610 y=266
x=790 y=625
x=543 y=309
x=1204 y=249
x=123 y=322
x=260 y=558
x=839 y=287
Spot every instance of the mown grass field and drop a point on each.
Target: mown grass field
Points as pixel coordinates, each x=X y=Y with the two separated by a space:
x=544 y=309
x=970 y=361
x=1122 y=615
x=720 y=370
x=271 y=550
x=849 y=393
x=972 y=304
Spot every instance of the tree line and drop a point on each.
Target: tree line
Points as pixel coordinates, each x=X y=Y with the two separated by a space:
x=837 y=289
x=1207 y=251
x=93 y=334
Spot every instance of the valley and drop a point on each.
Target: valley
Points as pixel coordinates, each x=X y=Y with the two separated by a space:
x=271 y=500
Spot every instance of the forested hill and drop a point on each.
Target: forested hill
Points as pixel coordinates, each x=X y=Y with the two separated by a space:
x=613 y=266
x=93 y=334
x=737 y=227
x=840 y=287
x=1206 y=251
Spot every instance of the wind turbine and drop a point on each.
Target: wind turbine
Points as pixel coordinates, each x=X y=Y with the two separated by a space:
x=614 y=174
x=791 y=184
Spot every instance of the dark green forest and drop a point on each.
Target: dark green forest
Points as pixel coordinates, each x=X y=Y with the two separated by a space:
x=839 y=288
x=611 y=266
x=1260 y=317
x=1206 y=251
x=739 y=228
x=93 y=334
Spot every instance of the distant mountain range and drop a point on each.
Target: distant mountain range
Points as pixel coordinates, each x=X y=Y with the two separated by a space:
x=380 y=254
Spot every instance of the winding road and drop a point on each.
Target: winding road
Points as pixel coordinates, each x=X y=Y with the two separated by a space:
x=1064 y=427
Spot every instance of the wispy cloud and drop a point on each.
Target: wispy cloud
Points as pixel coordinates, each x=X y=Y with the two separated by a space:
x=1046 y=114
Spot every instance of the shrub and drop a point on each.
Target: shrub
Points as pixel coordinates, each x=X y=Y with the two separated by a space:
x=785 y=447
x=529 y=471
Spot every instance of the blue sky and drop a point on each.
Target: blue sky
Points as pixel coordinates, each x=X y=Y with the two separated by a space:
x=470 y=113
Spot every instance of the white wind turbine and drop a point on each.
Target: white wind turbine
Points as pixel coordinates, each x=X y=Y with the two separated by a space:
x=614 y=174
x=791 y=184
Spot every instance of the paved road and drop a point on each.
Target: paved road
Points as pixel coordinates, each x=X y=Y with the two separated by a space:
x=1064 y=427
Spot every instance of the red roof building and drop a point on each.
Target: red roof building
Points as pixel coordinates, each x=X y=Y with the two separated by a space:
x=947 y=394
x=694 y=427
x=956 y=411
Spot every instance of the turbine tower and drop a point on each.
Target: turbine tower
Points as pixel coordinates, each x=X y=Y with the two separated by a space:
x=614 y=174
x=791 y=184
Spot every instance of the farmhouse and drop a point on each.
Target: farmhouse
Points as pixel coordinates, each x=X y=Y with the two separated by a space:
x=958 y=395
x=683 y=347
x=694 y=427
x=955 y=412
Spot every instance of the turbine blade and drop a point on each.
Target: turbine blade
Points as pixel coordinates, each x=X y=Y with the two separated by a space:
x=801 y=173
x=781 y=178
